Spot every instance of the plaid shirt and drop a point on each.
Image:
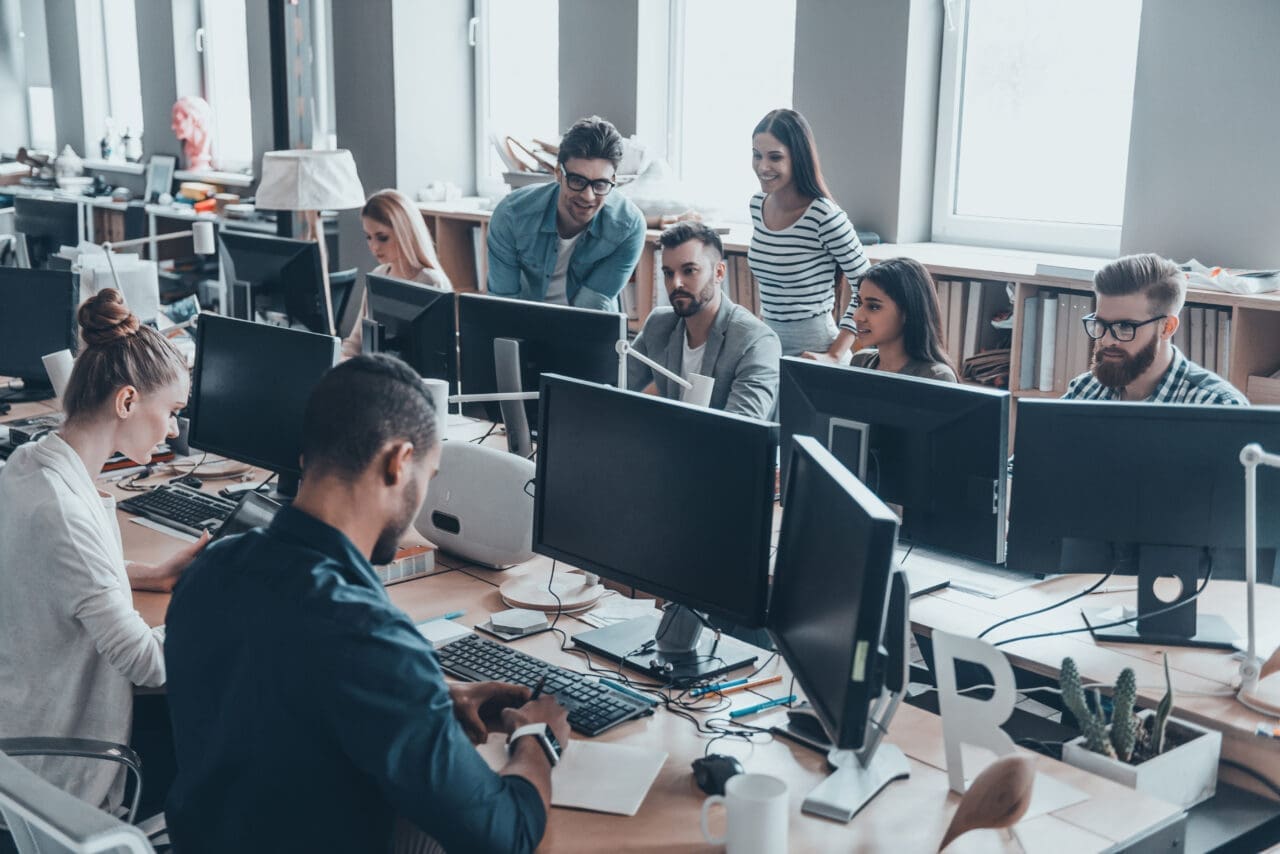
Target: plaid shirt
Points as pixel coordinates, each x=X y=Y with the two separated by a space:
x=1183 y=382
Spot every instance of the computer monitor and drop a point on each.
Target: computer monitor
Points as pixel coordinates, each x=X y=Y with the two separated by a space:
x=939 y=450
x=1152 y=489
x=552 y=339
x=37 y=317
x=46 y=226
x=838 y=616
x=278 y=280
x=249 y=389
x=672 y=499
x=416 y=323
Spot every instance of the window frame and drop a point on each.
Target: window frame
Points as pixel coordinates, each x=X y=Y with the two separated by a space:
x=951 y=227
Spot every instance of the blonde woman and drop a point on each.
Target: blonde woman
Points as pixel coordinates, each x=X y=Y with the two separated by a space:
x=399 y=241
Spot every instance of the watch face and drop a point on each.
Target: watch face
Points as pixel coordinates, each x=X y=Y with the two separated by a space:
x=555 y=742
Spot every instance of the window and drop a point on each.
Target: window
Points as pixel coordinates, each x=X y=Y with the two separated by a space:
x=724 y=78
x=110 y=82
x=224 y=49
x=517 y=79
x=1033 y=123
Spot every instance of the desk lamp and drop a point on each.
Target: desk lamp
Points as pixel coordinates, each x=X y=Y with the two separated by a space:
x=1253 y=669
x=201 y=235
x=311 y=181
x=699 y=389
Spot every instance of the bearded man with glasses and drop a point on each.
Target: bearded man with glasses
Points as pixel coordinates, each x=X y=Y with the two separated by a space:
x=573 y=241
x=1134 y=359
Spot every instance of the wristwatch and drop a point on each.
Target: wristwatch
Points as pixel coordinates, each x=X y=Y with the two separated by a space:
x=543 y=735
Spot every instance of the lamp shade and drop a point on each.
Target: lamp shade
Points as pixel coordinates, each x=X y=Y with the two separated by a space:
x=307 y=180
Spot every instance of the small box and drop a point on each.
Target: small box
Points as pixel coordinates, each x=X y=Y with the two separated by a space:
x=518 y=620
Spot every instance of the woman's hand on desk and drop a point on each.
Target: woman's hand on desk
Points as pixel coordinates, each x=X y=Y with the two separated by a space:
x=161 y=577
x=479 y=706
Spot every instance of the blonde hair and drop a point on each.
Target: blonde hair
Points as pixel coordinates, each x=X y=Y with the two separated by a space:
x=392 y=209
x=118 y=351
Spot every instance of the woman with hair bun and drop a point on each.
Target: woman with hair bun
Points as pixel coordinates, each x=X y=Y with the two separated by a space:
x=74 y=646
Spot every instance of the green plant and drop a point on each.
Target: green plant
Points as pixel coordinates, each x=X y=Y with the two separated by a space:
x=1124 y=725
x=1093 y=725
x=1121 y=736
x=1155 y=735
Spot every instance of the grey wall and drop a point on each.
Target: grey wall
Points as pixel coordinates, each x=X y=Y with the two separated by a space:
x=598 y=44
x=64 y=74
x=13 y=80
x=186 y=20
x=1203 y=178
x=866 y=78
x=157 y=73
x=257 y=19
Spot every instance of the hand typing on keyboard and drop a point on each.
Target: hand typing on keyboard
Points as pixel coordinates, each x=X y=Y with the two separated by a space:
x=478 y=706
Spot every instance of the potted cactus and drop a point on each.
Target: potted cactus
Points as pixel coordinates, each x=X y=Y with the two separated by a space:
x=1165 y=757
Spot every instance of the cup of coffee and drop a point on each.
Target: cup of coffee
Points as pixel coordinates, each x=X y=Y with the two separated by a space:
x=756 y=808
x=438 y=390
x=700 y=394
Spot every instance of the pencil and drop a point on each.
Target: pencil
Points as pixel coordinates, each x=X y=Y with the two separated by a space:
x=537 y=692
x=751 y=686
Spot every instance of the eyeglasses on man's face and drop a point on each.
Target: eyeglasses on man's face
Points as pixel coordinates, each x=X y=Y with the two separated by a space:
x=1121 y=330
x=578 y=183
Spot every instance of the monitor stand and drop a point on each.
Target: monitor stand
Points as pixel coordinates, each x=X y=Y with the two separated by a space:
x=31 y=391
x=674 y=648
x=1179 y=627
x=506 y=363
x=862 y=774
x=285 y=489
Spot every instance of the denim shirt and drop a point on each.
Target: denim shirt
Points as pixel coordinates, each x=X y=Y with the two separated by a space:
x=523 y=244
x=308 y=712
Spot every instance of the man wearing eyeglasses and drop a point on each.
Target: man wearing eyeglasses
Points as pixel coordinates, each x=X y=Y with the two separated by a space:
x=573 y=241
x=1139 y=298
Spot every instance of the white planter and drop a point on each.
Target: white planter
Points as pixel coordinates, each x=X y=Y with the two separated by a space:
x=1183 y=776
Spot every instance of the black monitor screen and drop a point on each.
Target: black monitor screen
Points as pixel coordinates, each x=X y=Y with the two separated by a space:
x=278 y=280
x=415 y=323
x=937 y=449
x=830 y=586
x=47 y=225
x=554 y=339
x=37 y=317
x=250 y=387
x=672 y=499
x=1092 y=475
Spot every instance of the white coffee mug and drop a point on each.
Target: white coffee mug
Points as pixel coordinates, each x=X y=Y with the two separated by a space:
x=756 y=807
x=439 y=392
x=700 y=394
x=58 y=365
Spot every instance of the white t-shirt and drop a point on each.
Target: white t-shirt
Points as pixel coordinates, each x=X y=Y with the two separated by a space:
x=557 y=287
x=690 y=361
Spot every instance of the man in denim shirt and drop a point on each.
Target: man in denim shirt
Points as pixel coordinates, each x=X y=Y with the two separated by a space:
x=573 y=241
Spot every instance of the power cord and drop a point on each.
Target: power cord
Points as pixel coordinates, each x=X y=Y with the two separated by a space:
x=991 y=628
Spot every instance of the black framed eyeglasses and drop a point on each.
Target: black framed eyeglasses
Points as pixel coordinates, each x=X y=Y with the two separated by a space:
x=1121 y=330
x=578 y=183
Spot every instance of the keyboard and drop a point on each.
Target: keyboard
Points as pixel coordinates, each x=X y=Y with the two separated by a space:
x=594 y=705
x=181 y=508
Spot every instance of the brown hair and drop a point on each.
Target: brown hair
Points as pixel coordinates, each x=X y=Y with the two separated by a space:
x=392 y=209
x=1158 y=278
x=118 y=351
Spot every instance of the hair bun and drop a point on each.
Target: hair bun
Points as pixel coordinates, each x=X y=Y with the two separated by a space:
x=105 y=318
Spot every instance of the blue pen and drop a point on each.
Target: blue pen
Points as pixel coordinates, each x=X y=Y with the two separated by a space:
x=622 y=689
x=452 y=615
x=760 y=707
x=698 y=692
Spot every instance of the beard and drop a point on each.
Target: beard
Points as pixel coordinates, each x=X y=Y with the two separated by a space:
x=685 y=304
x=1120 y=373
x=384 y=550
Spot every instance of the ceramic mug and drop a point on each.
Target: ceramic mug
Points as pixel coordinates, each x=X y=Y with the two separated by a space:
x=756 y=806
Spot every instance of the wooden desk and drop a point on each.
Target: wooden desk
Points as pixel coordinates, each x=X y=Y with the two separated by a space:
x=908 y=816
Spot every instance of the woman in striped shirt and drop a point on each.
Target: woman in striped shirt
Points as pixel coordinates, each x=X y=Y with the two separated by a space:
x=800 y=237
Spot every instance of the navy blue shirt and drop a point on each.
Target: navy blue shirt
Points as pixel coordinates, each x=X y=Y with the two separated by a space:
x=308 y=711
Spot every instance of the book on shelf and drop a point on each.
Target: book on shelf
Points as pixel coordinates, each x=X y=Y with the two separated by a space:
x=973 y=320
x=1027 y=374
x=1224 y=344
x=1048 y=340
x=1210 y=338
x=1182 y=337
x=1197 y=335
x=1062 y=340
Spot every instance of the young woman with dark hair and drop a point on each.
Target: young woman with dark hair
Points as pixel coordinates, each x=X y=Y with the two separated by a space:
x=897 y=322
x=74 y=645
x=800 y=237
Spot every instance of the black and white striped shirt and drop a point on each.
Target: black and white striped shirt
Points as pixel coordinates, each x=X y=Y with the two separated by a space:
x=796 y=266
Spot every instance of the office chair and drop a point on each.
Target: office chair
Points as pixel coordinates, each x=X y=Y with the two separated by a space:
x=44 y=819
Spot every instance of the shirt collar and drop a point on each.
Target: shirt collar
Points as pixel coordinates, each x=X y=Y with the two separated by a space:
x=1165 y=388
x=301 y=527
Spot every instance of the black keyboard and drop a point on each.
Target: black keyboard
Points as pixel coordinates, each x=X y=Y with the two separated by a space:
x=181 y=508
x=594 y=706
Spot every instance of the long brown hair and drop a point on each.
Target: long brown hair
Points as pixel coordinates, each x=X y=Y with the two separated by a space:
x=909 y=285
x=793 y=131
x=393 y=210
x=118 y=351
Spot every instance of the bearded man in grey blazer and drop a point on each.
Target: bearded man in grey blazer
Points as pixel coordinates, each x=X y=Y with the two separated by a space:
x=703 y=331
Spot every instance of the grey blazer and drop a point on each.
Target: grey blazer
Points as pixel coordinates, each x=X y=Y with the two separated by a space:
x=742 y=356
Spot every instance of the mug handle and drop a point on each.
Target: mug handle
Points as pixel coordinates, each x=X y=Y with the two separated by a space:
x=706 y=808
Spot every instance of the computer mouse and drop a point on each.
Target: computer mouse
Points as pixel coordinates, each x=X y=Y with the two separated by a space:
x=712 y=772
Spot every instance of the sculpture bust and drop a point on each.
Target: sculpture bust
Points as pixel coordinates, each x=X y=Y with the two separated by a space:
x=191 y=119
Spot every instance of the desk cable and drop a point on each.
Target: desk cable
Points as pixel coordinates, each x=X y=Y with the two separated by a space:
x=991 y=628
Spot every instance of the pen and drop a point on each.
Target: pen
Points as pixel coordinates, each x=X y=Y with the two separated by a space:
x=1127 y=589
x=452 y=615
x=760 y=707
x=624 y=690
x=751 y=686
x=719 y=686
x=537 y=692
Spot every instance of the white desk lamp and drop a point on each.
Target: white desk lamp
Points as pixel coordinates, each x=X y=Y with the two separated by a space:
x=1253 y=669
x=201 y=235
x=698 y=391
x=311 y=181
